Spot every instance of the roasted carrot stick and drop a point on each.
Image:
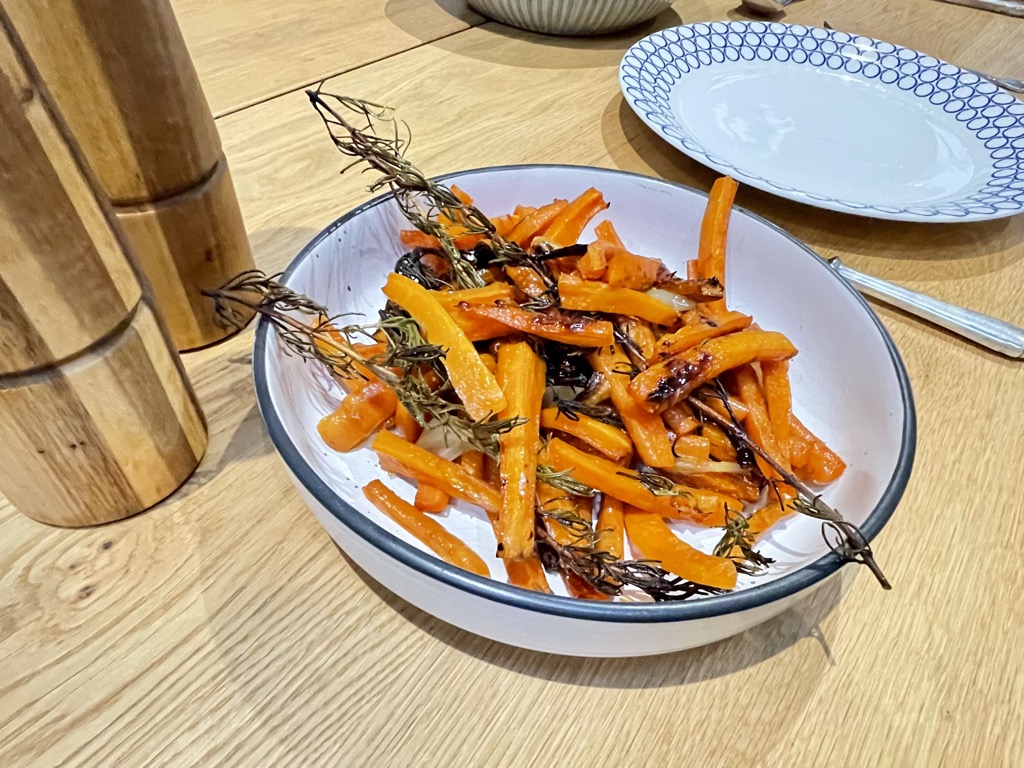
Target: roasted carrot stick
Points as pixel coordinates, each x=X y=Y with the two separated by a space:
x=430 y=498
x=572 y=331
x=646 y=429
x=474 y=384
x=406 y=425
x=609 y=440
x=738 y=486
x=675 y=377
x=779 y=402
x=649 y=534
x=611 y=527
x=475 y=327
x=721 y=447
x=568 y=226
x=690 y=336
x=526 y=280
x=822 y=464
x=430 y=532
x=521 y=373
x=758 y=425
x=680 y=420
x=527 y=573
x=696 y=448
x=420 y=464
x=473 y=463
x=685 y=503
x=360 y=415
x=606 y=231
x=593 y=263
x=713 y=233
x=592 y=296
x=627 y=270
x=534 y=224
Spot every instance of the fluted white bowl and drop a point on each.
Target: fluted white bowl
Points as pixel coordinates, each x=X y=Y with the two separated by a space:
x=571 y=17
x=849 y=385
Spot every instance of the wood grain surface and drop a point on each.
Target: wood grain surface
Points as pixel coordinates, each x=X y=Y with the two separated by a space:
x=122 y=78
x=186 y=244
x=224 y=628
x=249 y=50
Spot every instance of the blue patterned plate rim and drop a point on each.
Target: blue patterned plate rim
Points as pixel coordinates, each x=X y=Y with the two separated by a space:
x=992 y=117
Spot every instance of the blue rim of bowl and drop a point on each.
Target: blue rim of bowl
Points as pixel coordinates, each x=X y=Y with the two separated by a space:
x=567 y=607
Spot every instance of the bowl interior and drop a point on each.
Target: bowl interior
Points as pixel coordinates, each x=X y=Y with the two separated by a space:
x=848 y=383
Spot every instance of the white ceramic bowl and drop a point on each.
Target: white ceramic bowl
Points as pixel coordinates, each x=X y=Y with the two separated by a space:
x=571 y=17
x=849 y=386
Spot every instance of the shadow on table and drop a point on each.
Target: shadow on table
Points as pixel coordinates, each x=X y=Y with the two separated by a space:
x=552 y=51
x=990 y=246
x=673 y=669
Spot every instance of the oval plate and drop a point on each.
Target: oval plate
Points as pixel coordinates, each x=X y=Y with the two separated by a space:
x=834 y=120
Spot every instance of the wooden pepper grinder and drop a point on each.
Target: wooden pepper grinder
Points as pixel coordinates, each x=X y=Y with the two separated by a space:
x=122 y=78
x=97 y=418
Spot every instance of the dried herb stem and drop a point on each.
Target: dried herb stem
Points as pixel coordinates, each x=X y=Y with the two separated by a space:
x=850 y=544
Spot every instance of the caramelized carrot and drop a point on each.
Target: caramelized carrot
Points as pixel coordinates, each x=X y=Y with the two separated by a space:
x=646 y=429
x=627 y=270
x=536 y=223
x=606 y=231
x=360 y=415
x=757 y=423
x=473 y=463
x=680 y=420
x=721 y=447
x=527 y=280
x=609 y=440
x=569 y=224
x=685 y=503
x=822 y=464
x=406 y=425
x=675 y=377
x=713 y=233
x=695 y=448
x=738 y=486
x=420 y=464
x=649 y=534
x=430 y=498
x=577 y=332
x=593 y=263
x=430 y=532
x=474 y=384
x=779 y=402
x=521 y=372
x=475 y=327
x=527 y=573
x=591 y=296
x=690 y=336
x=610 y=527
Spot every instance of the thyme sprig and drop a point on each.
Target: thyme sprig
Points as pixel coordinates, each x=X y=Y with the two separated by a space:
x=609 y=575
x=563 y=481
x=737 y=544
x=356 y=127
x=657 y=483
x=842 y=537
x=323 y=341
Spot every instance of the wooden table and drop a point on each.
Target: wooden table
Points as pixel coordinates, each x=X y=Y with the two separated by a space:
x=225 y=628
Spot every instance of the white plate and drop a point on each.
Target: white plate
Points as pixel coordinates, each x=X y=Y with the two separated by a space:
x=849 y=386
x=838 y=121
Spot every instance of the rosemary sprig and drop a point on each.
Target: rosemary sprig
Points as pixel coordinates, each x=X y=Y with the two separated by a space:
x=849 y=543
x=657 y=483
x=355 y=128
x=563 y=481
x=738 y=538
x=572 y=409
x=332 y=346
x=609 y=575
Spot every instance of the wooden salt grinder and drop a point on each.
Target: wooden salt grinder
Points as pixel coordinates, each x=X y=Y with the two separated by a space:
x=97 y=419
x=122 y=79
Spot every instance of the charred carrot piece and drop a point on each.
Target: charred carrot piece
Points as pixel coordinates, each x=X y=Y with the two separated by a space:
x=430 y=532
x=360 y=415
x=474 y=384
x=609 y=440
x=646 y=429
x=690 y=336
x=684 y=503
x=714 y=231
x=475 y=327
x=419 y=464
x=572 y=331
x=592 y=296
x=675 y=377
x=521 y=373
x=649 y=534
